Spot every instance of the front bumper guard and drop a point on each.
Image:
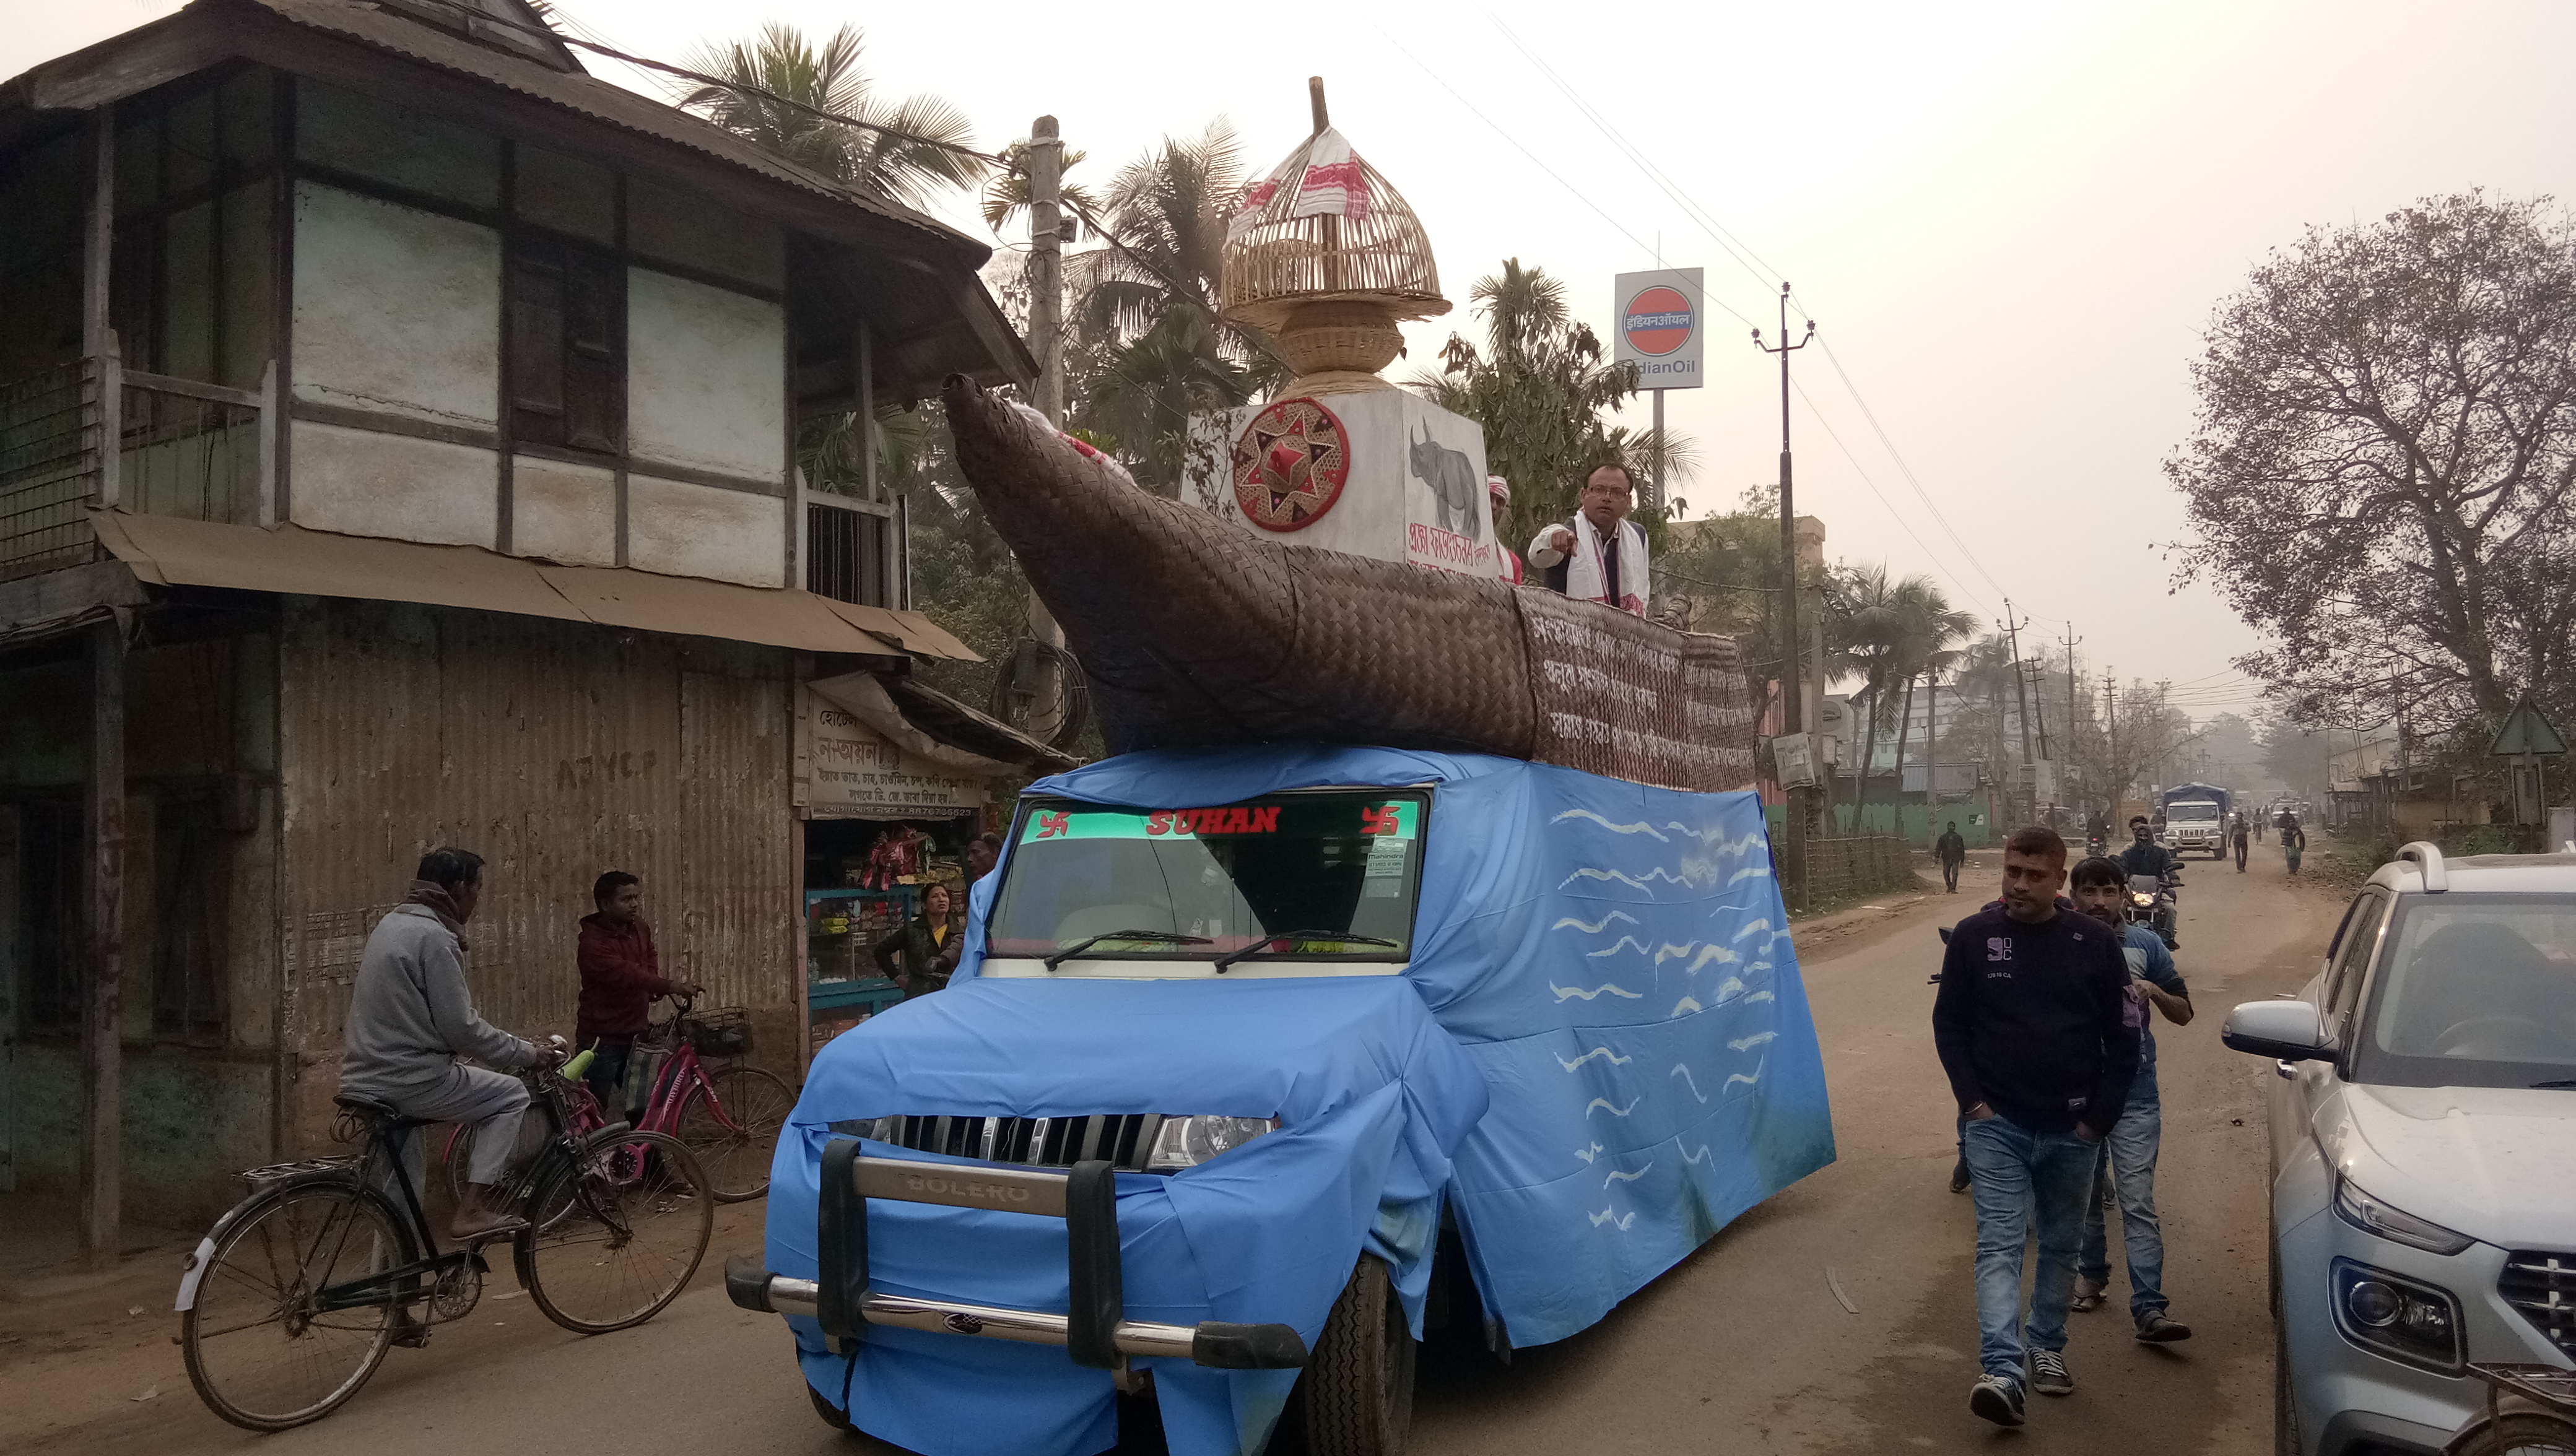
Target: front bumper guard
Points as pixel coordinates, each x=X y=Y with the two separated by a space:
x=1095 y=1332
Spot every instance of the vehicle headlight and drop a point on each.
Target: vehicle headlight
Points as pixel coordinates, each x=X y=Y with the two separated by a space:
x=1186 y=1142
x=2141 y=900
x=2371 y=1216
x=2407 y=1320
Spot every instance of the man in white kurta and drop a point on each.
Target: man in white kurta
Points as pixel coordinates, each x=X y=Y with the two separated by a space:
x=1600 y=555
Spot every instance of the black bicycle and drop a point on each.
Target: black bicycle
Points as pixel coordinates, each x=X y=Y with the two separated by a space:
x=290 y=1303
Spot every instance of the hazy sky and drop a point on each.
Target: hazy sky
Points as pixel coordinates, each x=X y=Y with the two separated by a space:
x=2009 y=220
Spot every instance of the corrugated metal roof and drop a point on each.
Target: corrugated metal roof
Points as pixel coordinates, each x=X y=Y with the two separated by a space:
x=600 y=100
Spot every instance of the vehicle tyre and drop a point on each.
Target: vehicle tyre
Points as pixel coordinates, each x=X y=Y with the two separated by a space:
x=258 y=1353
x=735 y=1148
x=1357 y=1393
x=615 y=1231
x=833 y=1416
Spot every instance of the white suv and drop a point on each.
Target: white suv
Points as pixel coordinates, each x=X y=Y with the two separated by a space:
x=2423 y=1151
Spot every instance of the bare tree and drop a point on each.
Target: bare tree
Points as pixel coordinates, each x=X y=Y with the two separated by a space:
x=2380 y=475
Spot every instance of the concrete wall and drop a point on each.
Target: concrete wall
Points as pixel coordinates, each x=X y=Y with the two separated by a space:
x=396 y=310
x=682 y=529
x=706 y=378
x=563 y=513
x=367 y=483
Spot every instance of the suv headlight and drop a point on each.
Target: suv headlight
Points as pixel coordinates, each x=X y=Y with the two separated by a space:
x=2407 y=1320
x=2371 y=1216
x=1186 y=1142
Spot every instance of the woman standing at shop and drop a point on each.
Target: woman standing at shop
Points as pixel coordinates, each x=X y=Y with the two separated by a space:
x=919 y=954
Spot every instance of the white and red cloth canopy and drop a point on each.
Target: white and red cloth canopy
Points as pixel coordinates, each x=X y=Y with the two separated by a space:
x=1328 y=178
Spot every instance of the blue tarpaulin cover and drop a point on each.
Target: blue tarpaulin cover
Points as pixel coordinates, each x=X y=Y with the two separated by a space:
x=1600 y=1053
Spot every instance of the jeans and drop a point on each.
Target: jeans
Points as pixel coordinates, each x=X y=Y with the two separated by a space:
x=607 y=1076
x=2131 y=1148
x=1950 y=875
x=2025 y=1182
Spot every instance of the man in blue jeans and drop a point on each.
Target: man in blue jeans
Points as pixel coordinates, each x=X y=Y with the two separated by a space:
x=2032 y=1026
x=2102 y=891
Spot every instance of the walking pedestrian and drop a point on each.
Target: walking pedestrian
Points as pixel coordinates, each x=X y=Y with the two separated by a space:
x=1952 y=851
x=2239 y=835
x=2294 y=840
x=2102 y=891
x=2033 y=1031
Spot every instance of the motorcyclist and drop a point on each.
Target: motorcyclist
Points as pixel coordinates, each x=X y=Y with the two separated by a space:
x=2146 y=857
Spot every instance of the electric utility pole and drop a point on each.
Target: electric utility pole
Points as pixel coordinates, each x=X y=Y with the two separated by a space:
x=1049 y=696
x=1792 y=713
x=2021 y=698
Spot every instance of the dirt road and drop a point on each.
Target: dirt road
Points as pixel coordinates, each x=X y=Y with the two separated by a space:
x=1744 y=1348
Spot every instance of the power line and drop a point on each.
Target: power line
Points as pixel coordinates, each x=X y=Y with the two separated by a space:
x=1832 y=434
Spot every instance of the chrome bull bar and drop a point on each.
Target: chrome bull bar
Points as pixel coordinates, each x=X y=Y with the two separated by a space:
x=1095 y=1332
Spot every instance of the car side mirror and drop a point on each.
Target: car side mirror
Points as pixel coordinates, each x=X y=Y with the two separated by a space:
x=2290 y=1031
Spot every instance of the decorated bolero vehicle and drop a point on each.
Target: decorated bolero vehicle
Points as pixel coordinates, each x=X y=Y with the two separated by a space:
x=1259 y=1058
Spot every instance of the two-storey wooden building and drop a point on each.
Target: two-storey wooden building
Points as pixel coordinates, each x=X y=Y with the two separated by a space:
x=398 y=443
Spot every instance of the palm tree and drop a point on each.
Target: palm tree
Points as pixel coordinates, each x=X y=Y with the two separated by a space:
x=1148 y=347
x=1873 y=628
x=1930 y=627
x=1006 y=192
x=906 y=150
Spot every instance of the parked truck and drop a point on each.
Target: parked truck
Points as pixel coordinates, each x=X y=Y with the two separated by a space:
x=1260 y=1059
x=2196 y=818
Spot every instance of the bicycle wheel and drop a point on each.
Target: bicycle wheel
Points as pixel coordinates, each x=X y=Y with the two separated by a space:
x=734 y=1132
x=615 y=1231
x=263 y=1351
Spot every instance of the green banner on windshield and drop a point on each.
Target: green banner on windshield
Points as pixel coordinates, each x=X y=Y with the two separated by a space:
x=1395 y=819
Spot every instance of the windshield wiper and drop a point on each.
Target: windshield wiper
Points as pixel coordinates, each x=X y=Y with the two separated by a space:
x=1266 y=942
x=2540 y=1086
x=1163 y=937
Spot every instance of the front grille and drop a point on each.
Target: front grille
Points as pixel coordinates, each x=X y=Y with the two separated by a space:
x=1125 y=1139
x=2543 y=1287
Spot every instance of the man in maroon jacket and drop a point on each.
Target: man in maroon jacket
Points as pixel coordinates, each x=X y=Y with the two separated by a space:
x=620 y=976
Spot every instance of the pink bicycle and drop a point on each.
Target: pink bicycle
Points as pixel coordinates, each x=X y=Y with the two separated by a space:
x=728 y=1115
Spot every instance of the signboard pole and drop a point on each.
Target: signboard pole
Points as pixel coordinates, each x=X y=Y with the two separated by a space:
x=1656 y=502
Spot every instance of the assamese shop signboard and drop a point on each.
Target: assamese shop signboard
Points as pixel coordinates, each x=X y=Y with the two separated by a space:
x=856 y=774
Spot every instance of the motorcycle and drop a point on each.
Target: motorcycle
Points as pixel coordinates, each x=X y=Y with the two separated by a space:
x=2152 y=900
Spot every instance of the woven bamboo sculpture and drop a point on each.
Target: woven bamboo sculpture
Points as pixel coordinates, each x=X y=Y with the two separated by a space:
x=1193 y=631
x=1326 y=257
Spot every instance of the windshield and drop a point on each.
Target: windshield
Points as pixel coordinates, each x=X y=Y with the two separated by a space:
x=2191 y=813
x=2474 y=990
x=1338 y=862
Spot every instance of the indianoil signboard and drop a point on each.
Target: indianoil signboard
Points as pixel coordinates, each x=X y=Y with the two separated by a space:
x=1659 y=327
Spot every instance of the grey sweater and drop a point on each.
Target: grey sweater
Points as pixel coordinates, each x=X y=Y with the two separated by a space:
x=410 y=1016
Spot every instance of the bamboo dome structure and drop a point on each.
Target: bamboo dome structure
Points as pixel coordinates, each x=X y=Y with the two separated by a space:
x=1326 y=257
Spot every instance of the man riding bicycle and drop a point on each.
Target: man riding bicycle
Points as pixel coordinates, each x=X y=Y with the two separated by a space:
x=411 y=1017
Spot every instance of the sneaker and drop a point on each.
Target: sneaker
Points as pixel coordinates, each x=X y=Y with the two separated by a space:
x=1959 y=1177
x=2048 y=1373
x=1996 y=1398
x=2088 y=1295
x=2156 y=1329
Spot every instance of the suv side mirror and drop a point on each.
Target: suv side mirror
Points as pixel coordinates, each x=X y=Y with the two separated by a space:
x=2290 y=1031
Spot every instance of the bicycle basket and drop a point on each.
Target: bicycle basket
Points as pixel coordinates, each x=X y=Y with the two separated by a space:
x=725 y=1033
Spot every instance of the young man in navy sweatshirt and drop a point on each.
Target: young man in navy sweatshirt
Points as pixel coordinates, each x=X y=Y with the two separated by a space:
x=2032 y=1029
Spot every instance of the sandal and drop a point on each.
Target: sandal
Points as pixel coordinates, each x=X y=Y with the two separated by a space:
x=2088 y=1296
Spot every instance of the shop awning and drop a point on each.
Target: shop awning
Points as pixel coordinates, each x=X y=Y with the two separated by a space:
x=923 y=721
x=168 y=551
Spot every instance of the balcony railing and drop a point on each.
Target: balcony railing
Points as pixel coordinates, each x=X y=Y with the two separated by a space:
x=183 y=449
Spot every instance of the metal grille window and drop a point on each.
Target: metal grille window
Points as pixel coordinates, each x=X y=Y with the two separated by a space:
x=47 y=461
x=845 y=555
x=2542 y=1287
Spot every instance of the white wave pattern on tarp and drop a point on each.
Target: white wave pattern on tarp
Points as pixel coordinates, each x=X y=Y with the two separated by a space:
x=1752 y=927
x=1687 y=1005
x=1626 y=942
x=1597 y=926
x=1748 y=1043
x=1602 y=1052
x=1746 y=1078
x=1588 y=1154
x=1569 y=993
x=1627 y=1177
x=1613 y=1108
x=1640 y=827
x=1683 y=1071
x=1614 y=1218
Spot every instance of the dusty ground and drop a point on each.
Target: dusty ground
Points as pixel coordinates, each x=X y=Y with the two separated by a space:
x=1744 y=1348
